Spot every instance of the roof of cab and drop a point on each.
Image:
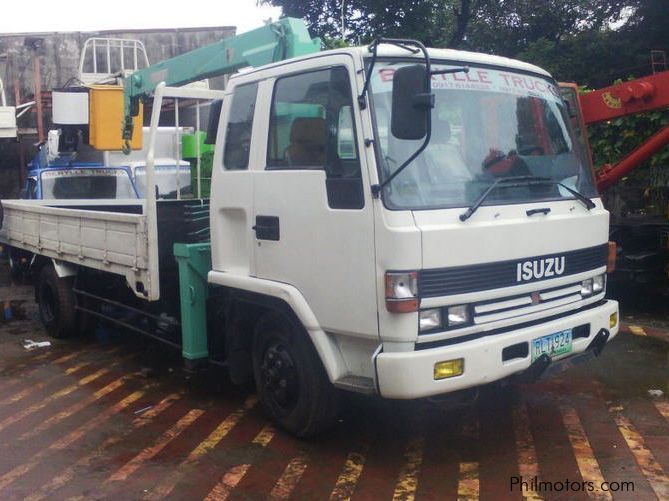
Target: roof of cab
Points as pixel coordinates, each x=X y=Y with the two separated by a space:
x=459 y=56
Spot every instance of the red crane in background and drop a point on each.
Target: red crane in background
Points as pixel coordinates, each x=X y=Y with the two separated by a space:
x=643 y=241
x=627 y=98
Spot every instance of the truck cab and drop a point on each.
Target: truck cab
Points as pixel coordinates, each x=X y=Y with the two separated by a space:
x=62 y=177
x=417 y=262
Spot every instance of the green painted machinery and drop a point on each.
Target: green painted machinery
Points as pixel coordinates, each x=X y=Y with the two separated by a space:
x=284 y=39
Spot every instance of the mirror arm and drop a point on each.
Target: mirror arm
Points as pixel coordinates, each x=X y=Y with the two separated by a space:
x=376 y=188
x=402 y=43
x=426 y=99
x=372 y=48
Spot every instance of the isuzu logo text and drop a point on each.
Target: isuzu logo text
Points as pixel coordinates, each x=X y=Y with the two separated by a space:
x=539 y=268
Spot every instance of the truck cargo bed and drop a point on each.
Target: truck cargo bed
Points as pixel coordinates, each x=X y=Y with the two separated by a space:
x=110 y=236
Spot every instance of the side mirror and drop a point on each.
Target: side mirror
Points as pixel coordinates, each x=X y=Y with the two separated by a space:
x=412 y=102
x=214 y=119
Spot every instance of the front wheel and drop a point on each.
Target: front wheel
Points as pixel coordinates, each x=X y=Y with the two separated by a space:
x=292 y=385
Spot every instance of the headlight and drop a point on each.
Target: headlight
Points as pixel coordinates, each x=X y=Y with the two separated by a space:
x=598 y=284
x=401 y=285
x=430 y=319
x=586 y=287
x=401 y=291
x=458 y=315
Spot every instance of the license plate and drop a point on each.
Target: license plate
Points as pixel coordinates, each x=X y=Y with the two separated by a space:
x=552 y=345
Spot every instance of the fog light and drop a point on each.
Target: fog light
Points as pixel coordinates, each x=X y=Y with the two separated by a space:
x=586 y=287
x=430 y=319
x=458 y=315
x=613 y=320
x=598 y=283
x=449 y=368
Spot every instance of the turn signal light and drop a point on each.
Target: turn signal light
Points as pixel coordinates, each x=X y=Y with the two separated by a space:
x=449 y=368
x=611 y=258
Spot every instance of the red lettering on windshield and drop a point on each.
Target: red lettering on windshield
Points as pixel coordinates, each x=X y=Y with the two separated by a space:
x=386 y=74
x=484 y=77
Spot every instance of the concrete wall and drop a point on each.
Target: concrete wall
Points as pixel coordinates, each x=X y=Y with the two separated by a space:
x=59 y=61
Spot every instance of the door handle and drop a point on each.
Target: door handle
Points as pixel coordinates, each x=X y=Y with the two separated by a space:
x=543 y=210
x=267 y=228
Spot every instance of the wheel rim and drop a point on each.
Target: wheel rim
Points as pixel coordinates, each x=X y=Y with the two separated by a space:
x=47 y=303
x=279 y=377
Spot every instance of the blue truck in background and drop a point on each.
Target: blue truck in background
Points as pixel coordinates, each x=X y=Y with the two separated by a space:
x=63 y=178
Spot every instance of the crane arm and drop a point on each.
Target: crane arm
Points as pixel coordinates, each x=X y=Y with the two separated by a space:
x=623 y=99
x=626 y=98
x=274 y=42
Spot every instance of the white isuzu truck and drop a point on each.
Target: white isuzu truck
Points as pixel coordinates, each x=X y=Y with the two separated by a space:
x=390 y=220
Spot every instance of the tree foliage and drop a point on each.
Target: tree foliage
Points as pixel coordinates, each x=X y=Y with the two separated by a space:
x=610 y=141
x=591 y=41
x=365 y=20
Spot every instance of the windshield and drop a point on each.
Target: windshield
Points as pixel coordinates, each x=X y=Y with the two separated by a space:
x=486 y=124
x=165 y=180
x=86 y=184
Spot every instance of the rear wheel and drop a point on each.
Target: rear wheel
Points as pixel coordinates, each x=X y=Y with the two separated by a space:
x=291 y=382
x=56 y=303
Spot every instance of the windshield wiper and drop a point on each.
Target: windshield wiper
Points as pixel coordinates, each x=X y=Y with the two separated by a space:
x=523 y=181
x=589 y=204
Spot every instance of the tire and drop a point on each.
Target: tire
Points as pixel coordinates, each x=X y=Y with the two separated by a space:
x=56 y=303
x=293 y=388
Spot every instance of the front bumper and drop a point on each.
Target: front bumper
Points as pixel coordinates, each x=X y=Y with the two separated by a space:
x=407 y=375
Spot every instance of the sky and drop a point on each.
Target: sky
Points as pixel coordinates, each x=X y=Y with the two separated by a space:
x=95 y=15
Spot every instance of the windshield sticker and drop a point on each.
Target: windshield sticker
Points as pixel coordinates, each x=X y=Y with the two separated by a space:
x=480 y=79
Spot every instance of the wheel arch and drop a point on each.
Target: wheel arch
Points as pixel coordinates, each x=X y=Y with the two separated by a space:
x=287 y=300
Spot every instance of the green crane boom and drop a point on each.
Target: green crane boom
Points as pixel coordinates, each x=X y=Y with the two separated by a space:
x=277 y=41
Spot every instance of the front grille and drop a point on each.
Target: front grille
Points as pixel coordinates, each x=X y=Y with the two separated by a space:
x=438 y=282
x=501 y=309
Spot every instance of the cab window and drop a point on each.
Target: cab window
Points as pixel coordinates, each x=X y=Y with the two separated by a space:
x=240 y=126
x=312 y=127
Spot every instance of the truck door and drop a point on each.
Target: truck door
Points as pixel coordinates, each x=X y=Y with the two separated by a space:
x=313 y=212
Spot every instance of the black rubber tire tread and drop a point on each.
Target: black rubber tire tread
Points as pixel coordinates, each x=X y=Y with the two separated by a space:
x=318 y=403
x=63 y=322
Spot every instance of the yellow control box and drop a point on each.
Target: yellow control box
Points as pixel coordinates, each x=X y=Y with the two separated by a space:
x=106 y=119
